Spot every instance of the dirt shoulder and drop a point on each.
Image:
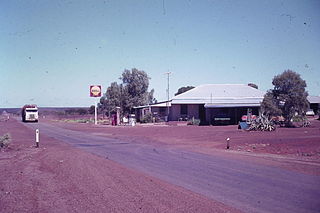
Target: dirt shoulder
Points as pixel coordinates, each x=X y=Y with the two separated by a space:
x=60 y=178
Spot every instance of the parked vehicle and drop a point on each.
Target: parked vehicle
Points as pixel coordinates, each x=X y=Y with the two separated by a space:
x=29 y=113
x=310 y=112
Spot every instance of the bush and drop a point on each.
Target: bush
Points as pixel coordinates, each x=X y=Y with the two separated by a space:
x=298 y=118
x=303 y=120
x=147 y=118
x=262 y=123
x=193 y=121
x=5 y=140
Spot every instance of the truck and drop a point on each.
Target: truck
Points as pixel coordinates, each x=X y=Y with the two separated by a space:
x=29 y=113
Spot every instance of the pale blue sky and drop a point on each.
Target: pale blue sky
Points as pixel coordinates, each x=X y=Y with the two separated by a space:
x=51 y=51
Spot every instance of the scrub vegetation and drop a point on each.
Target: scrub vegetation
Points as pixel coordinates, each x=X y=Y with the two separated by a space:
x=5 y=140
x=287 y=98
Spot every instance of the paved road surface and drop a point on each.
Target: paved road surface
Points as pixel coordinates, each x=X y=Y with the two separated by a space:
x=249 y=187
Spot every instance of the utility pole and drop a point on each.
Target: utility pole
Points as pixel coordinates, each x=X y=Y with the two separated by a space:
x=168 y=94
x=95 y=113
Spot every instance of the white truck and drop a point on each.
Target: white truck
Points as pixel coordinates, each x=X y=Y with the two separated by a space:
x=30 y=113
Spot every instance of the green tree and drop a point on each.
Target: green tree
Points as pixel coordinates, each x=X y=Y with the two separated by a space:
x=288 y=96
x=135 y=89
x=112 y=98
x=151 y=99
x=184 y=89
x=269 y=105
x=253 y=85
x=91 y=109
x=82 y=111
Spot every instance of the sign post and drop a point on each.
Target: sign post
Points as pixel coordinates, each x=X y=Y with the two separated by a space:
x=228 y=143
x=95 y=91
x=37 y=138
x=95 y=113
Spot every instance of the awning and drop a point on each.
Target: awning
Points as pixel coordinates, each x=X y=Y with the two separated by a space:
x=230 y=105
x=160 y=104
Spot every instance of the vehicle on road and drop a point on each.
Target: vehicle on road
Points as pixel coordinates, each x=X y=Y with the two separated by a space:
x=29 y=113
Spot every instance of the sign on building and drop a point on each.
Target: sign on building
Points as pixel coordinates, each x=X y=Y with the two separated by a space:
x=95 y=91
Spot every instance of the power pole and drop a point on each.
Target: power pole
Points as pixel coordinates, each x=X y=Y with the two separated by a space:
x=168 y=93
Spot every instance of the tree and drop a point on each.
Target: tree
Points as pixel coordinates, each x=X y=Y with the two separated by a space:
x=91 y=109
x=253 y=85
x=133 y=91
x=151 y=99
x=112 y=98
x=269 y=105
x=287 y=97
x=184 y=89
x=82 y=111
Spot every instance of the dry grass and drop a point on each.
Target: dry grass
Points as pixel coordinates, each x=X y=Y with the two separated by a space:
x=5 y=140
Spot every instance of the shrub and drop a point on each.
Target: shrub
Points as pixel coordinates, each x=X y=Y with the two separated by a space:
x=5 y=140
x=262 y=123
x=298 y=118
x=193 y=121
x=147 y=118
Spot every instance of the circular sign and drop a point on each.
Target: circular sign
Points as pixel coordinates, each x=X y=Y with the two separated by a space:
x=95 y=91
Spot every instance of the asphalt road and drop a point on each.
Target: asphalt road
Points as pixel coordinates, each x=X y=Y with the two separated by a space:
x=247 y=186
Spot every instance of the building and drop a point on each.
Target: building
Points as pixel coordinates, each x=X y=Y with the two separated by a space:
x=216 y=103
x=314 y=102
x=158 y=110
x=213 y=104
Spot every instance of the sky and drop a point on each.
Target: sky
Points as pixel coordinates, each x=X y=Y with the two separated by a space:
x=51 y=51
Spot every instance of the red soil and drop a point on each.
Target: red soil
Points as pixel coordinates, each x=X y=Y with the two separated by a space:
x=291 y=148
x=304 y=142
x=60 y=178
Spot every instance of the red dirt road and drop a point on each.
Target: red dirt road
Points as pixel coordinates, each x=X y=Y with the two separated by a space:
x=59 y=178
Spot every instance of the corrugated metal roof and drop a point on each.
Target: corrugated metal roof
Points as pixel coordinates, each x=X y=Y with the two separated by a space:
x=218 y=105
x=160 y=104
x=220 y=94
x=163 y=104
x=314 y=99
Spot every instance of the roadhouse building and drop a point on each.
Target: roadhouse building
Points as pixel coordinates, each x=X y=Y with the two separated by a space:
x=213 y=104
x=314 y=102
x=216 y=103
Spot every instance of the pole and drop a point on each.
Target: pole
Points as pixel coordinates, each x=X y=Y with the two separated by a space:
x=37 y=138
x=168 y=94
x=95 y=113
x=228 y=143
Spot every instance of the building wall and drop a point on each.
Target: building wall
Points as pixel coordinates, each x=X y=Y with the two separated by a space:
x=315 y=107
x=159 y=112
x=174 y=112
x=192 y=111
x=233 y=114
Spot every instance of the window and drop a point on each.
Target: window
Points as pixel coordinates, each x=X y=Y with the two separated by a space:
x=31 y=110
x=183 y=109
x=162 y=109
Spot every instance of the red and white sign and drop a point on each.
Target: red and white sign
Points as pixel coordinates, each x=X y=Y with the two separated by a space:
x=95 y=91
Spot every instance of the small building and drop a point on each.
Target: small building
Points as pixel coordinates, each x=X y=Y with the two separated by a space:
x=216 y=104
x=314 y=102
x=158 y=110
